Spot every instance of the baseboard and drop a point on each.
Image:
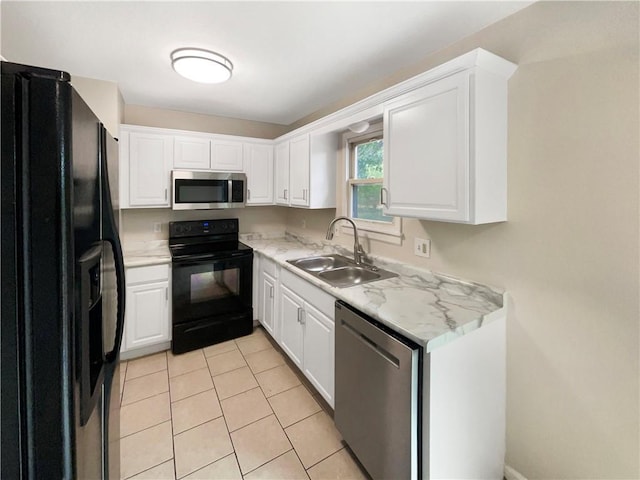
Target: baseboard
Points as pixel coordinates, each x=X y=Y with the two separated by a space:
x=511 y=473
x=141 y=352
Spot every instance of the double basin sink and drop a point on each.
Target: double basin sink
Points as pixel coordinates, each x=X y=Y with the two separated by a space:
x=340 y=271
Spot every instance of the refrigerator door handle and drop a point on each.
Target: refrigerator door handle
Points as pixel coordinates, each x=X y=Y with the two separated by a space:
x=110 y=235
x=119 y=265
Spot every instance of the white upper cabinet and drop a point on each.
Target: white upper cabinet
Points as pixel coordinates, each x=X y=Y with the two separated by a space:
x=148 y=154
x=281 y=174
x=191 y=152
x=445 y=146
x=299 y=170
x=258 y=163
x=226 y=155
x=146 y=160
x=312 y=170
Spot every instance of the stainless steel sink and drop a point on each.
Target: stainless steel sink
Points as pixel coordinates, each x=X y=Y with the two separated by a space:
x=340 y=271
x=318 y=264
x=347 y=276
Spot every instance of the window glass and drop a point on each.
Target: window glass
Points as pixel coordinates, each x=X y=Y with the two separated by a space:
x=366 y=182
x=368 y=159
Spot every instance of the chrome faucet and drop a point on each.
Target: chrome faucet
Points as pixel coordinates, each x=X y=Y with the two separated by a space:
x=358 y=252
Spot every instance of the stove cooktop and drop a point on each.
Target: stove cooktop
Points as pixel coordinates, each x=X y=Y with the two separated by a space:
x=205 y=239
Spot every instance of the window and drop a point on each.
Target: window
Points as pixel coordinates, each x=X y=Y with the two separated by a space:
x=366 y=181
x=365 y=173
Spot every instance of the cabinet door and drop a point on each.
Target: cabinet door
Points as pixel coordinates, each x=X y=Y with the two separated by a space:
x=256 y=293
x=319 y=351
x=150 y=160
x=258 y=164
x=147 y=314
x=299 y=170
x=282 y=174
x=268 y=306
x=191 y=152
x=291 y=329
x=226 y=155
x=426 y=151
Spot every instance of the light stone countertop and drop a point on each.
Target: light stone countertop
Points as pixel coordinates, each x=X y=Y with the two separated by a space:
x=140 y=254
x=428 y=308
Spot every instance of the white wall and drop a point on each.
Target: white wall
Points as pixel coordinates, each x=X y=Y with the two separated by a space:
x=104 y=98
x=137 y=224
x=158 y=117
x=569 y=254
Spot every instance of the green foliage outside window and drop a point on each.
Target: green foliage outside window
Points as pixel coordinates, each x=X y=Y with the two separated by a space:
x=366 y=197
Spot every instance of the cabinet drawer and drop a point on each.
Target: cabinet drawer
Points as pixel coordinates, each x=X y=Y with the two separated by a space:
x=152 y=273
x=269 y=266
x=313 y=295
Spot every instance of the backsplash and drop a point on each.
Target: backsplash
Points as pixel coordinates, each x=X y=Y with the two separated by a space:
x=138 y=224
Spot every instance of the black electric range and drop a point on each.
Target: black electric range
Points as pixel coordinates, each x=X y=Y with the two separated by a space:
x=211 y=283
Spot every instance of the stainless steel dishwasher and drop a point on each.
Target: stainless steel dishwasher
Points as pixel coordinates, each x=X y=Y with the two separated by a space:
x=378 y=395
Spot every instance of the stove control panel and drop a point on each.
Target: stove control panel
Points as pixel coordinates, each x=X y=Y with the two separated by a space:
x=200 y=228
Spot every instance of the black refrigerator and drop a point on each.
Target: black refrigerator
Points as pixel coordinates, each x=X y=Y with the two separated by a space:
x=62 y=282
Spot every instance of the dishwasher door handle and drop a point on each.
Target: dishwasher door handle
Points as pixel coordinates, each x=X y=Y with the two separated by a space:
x=388 y=356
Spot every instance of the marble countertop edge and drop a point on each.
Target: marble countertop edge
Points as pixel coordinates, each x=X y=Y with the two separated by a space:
x=429 y=308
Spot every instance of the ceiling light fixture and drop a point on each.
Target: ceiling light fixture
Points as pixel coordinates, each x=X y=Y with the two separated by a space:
x=359 y=127
x=201 y=65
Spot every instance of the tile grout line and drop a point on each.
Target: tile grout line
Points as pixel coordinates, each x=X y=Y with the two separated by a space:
x=146 y=398
x=148 y=373
x=292 y=445
x=322 y=460
x=269 y=461
x=226 y=425
x=173 y=439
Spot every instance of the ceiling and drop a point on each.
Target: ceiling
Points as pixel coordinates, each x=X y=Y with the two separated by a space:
x=290 y=58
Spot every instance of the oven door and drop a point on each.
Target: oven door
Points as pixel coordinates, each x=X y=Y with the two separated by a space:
x=211 y=288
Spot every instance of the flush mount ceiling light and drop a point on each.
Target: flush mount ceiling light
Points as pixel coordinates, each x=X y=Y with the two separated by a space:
x=359 y=127
x=201 y=65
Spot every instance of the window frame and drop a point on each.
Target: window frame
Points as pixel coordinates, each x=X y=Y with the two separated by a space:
x=390 y=232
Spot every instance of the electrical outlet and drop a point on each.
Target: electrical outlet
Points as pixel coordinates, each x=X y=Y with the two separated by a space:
x=157 y=227
x=422 y=247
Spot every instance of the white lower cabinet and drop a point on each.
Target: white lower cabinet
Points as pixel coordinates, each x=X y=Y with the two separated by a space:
x=291 y=327
x=267 y=281
x=300 y=317
x=147 y=322
x=319 y=351
x=306 y=330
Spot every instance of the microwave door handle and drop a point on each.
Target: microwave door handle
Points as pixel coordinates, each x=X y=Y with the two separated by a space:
x=230 y=191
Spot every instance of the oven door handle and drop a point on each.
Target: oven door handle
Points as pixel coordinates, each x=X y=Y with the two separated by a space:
x=199 y=260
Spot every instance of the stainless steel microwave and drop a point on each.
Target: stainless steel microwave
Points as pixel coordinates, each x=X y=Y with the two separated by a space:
x=206 y=190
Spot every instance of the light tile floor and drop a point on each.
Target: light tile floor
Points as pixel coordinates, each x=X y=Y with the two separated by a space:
x=229 y=411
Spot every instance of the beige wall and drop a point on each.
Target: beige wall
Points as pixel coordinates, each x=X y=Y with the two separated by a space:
x=157 y=117
x=137 y=224
x=569 y=254
x=104 y=98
